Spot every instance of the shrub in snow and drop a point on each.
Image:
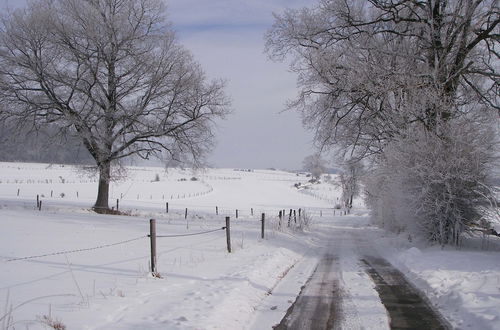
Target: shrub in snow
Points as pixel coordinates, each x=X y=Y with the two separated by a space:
x=51 y=322
x=435 y=186
x=304 y=221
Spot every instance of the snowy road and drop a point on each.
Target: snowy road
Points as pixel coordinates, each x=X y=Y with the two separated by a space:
x=317 y=306
x=352 y=287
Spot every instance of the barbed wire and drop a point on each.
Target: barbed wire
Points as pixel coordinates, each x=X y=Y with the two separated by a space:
x=192 y=234
x=78 y=250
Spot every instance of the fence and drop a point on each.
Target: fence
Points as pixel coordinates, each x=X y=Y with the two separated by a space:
x=153 y=236
x=238 y=212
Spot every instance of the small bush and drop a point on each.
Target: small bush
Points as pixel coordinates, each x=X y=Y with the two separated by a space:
x=194 y=179
x=52 y=323
x=304 y=222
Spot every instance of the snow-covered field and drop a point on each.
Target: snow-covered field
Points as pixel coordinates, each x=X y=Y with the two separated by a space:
x=201 y=285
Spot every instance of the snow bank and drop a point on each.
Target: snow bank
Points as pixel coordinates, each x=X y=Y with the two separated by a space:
x=463 y=285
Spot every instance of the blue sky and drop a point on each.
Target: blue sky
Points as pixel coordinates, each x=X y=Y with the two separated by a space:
x=226 y=37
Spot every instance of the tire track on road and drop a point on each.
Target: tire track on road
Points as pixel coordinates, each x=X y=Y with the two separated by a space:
x=406 y=307
x=318 y=305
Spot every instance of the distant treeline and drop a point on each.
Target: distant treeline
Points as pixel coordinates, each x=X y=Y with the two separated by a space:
x=45 y=145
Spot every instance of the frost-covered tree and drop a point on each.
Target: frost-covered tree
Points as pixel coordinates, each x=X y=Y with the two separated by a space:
x=380 y=78
x=369 y=69
x=111 y=72
x=432 y=187
x=350 y=181
x=315 y=165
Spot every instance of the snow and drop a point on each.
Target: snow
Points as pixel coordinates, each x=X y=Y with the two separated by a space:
x=465 y=285
x=201 y=285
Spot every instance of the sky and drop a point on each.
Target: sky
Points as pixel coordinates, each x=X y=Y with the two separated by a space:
x=227 y=38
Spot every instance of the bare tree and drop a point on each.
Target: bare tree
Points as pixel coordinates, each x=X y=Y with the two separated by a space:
x=315 y=164
x=113 y=73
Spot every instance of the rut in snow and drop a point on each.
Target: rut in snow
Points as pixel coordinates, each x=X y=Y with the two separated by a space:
x=318 y=304
x=406 y=307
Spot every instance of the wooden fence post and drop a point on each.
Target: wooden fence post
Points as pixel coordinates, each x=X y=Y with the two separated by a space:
x=294 y=216
x=263 y=225
x=18 y=190
x=117 y=203
x=37 y=201
x=166 y=206
x=216 y=210
x=51 y=192
x=186 y=213
x=321 y=213
x=300 y=212
x=251 y=211
x=228 y=234
x=152 y=236
x=280 y=216
x=40 y=206
x=236 y=213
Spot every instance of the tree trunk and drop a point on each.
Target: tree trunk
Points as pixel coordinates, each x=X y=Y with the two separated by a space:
x=101 y=204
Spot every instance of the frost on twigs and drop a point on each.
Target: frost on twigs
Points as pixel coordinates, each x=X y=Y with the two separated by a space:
x=410 y=88
x=114 y=76
x=435 y=187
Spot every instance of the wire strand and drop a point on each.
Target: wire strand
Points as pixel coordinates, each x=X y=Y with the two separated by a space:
x=192 y=234
x=79 y=250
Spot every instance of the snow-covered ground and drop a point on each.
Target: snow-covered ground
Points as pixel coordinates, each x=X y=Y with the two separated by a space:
x=201 y=285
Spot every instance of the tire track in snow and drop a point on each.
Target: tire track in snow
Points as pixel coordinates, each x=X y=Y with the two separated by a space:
x=354 y=288
x=318 y=304
x=405 y=305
